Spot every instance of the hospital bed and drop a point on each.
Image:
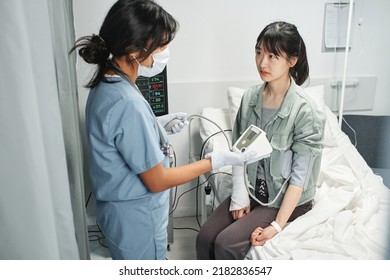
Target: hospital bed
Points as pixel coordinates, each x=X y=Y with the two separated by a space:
x=349 y=219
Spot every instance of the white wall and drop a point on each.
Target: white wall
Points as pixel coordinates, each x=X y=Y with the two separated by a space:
x=215 y=47
x=216 y=40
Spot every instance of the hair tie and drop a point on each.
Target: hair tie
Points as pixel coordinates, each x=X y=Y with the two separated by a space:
x=99 y=40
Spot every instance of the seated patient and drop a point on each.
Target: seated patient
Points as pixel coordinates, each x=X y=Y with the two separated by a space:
x=285 y=183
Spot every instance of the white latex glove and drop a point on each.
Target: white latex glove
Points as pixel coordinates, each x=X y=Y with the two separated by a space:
x=173 y=123
x=240 y=196
x=223 y=158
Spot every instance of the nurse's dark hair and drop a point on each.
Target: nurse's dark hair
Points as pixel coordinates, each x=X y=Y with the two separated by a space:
x=282 y=37
x=129 y=26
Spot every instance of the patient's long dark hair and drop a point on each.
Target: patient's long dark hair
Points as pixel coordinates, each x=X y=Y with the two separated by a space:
x=278 y=37
x=130 y=26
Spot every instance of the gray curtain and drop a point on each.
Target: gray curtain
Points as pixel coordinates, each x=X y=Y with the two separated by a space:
x=42 y=213
x=63 y=37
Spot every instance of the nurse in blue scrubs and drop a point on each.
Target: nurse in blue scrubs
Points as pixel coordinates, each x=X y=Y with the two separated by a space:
x=128 y=155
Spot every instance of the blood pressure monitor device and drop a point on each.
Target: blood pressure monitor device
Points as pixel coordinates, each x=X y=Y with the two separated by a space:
x=253 y=139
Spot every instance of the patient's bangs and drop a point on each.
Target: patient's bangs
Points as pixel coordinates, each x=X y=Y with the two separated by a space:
x=272 y=43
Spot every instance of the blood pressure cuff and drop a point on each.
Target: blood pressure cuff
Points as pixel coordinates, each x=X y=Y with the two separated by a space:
x=301 y=169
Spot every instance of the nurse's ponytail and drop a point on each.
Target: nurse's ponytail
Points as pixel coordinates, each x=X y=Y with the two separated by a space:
x=93 y=50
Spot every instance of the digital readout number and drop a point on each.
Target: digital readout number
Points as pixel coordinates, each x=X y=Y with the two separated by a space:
x=232 y=270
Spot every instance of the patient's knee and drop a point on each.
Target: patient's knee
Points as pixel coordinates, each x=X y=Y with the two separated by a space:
x=223 y=248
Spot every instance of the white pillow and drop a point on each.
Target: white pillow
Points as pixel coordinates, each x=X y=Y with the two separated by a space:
x=220 y=116
x=234 y=96
x=332 y=128
x=317 y=93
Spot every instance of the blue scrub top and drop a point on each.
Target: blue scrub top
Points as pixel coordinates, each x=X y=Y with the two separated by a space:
x=124 y=141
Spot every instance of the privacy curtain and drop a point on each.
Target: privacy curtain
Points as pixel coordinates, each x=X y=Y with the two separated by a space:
x=42 y=213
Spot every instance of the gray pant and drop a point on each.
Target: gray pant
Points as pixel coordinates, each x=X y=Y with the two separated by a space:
x=223 y=238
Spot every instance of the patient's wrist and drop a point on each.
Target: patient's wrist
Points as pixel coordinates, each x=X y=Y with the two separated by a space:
x=276 y=226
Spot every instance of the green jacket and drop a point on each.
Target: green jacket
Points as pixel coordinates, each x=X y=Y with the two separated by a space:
x=296 y=131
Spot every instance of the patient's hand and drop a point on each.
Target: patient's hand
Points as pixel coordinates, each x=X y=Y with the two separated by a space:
x=259 y=236
x=237 y=214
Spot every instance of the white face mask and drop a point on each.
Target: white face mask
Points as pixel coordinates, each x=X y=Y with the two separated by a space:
x=160 y=60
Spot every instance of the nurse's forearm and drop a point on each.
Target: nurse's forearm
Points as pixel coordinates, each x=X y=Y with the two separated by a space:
x=159 y=178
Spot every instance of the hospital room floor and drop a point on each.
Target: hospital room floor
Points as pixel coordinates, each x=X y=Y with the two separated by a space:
x=182 y=248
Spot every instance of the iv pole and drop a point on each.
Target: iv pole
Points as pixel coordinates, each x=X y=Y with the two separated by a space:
x=345 y=63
